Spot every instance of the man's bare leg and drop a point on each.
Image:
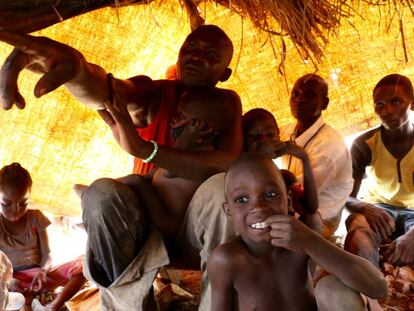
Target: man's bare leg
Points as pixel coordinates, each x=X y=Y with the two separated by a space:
x=361 y=240
x=332 y=294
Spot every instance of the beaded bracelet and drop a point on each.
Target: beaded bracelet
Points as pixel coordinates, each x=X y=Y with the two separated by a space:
x=153 y=154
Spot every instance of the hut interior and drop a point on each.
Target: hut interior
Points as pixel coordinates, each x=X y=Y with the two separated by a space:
x=351 y=44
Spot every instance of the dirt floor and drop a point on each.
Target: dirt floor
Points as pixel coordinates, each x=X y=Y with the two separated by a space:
x=401 y=288
x=400 y=298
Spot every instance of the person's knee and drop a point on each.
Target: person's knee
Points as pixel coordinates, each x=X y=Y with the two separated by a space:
x=96 y=191
x=101 y=196
x=332 y=294
x=360 y=234
x=355 y=221
x=132 y=180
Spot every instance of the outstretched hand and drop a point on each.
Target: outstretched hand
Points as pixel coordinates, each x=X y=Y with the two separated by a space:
x=57 y=62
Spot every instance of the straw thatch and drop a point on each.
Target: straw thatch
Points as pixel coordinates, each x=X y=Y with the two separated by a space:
x=63 y=143
x=306 y=22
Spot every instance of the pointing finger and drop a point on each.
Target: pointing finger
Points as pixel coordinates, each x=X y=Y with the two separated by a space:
x=21 y=41
x=19 y=101
x=9 y=73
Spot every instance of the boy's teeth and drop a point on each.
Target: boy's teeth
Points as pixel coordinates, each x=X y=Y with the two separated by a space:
x=259 y=225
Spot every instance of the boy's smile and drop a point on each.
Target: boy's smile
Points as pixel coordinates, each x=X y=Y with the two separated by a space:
x=255 y=191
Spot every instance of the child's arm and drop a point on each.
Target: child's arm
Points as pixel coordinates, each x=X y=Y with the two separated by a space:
x=276 y=149
x=40 y=278
x=219 y=270
x=309 y=200
x=310 y=195
x=355 y=272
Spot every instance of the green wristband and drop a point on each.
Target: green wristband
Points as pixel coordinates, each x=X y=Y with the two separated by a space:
x=153 y=154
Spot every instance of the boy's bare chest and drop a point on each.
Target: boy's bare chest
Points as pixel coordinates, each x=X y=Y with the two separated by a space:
x=284 y=286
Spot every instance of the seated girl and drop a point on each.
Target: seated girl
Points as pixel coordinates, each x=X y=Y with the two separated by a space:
x=23 y=238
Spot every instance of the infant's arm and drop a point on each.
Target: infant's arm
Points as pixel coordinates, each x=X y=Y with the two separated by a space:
x=310 y=194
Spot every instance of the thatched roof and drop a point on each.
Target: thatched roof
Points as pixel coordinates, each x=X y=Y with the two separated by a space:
x=62 y=143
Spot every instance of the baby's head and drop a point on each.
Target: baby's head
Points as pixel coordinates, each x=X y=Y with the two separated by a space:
x=202 y=104
x=254 y=190
x=15 y=187
x=259 y=125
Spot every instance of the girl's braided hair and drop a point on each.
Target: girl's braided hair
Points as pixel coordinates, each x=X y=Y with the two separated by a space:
x=15 y=175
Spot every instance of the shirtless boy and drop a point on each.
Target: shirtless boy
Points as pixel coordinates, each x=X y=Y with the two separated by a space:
x=267 y=266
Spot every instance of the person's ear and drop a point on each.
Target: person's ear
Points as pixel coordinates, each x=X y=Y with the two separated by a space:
x=226 y=209
x=291 y=210
x=325 y=103
x=226 y=75
x=412 y=105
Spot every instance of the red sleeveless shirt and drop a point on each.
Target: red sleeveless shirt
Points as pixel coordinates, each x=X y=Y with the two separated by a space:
x=159 y=129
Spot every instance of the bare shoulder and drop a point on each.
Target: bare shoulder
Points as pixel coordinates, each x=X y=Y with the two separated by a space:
x=225 y=113
x=232 y=98
x=226 y=255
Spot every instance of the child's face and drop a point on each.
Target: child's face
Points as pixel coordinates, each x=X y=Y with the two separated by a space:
x=392 y=105
x=254 y=192
x=13 y=202
x=203 y=58
x=262 y=129
x=307 y=99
